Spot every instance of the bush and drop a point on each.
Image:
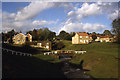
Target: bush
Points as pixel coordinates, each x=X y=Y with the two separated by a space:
x=58 y=45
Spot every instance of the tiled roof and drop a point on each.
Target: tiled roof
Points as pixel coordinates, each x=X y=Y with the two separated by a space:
x=106 y=36
x=82 y=34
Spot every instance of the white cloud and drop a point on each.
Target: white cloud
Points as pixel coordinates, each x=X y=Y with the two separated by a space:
x=93 y=9
x=43 y=23
x=80 y=27
x=9 y=23
x=34 y=9
x=113 y=15
x=85 y=11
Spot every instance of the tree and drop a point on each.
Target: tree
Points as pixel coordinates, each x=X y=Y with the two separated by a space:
x=116 y=28
x=34 y=34
x=93 y=33
x=64 y=35
x=51 y=35
x=94 y=37
x=107 y=32
x=57 y=45
x=10 y=35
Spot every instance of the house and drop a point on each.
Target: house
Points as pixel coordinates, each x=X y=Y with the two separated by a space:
x=29 y=37
x=43 y=44
x=80 y=38
x=90 y=38
x=107 y=38
x=21 y=38
x=98 y=38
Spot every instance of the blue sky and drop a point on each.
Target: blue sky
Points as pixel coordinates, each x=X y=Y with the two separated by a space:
x=71 y=17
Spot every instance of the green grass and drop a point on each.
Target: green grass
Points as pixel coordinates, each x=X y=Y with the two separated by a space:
x=29 y=67
x=49 y=58
x=99 y=59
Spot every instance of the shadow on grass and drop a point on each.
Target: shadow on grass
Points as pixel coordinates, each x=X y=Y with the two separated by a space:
x=24 y=48
x=29 y=67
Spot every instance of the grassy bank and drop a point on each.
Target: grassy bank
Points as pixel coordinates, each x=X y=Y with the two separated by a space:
x=100 y=58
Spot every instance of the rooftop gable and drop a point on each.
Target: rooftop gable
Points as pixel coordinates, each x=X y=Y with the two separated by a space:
x=82 y=34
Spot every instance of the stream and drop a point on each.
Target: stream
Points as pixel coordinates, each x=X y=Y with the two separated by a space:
x=71 y=71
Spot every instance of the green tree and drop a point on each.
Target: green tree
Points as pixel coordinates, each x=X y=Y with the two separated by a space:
x=34 y=35
x=107 y=32
x=64 y=35
x=57 y=45
x=94 y=37
x=10 y=35
x=116 y=28
x=51 y=35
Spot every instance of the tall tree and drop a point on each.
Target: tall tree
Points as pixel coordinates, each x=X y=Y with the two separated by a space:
x=10 y=35
x=107 y=32
x=64 y=35
x=51 y=35
x=34 y=34
x=94 y=37
x=116 y=28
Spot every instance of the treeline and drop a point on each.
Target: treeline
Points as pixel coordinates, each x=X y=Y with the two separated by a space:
x=42 y=34
x=39 y=35
x=45 y=34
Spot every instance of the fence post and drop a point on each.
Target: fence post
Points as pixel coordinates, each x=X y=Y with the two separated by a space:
x=16 y=53
x=12 y=52
x=30 y=54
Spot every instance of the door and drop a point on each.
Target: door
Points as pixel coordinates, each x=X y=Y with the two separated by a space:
x=84 y=41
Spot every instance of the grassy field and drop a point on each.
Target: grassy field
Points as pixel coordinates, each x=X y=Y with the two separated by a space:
x=18 y=67
x=100 y=58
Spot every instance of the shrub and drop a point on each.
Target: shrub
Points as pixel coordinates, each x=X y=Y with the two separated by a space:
x=57 y=45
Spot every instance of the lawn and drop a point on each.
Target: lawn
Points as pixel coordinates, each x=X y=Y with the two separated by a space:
x=100 y=58
x=19 y=67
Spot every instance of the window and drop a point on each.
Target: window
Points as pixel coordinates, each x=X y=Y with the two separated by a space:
x=40 y=44
x=80 y=40
x=47 y=47
x=86 y=36
x=80 y=36
x=87 y=41
x=84 y=41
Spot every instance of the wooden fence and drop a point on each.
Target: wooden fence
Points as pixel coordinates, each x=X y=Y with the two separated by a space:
x=16 y=52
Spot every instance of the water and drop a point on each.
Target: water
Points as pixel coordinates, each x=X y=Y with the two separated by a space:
x=71 y=71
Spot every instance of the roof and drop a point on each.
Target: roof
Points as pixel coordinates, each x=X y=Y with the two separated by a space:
x=90 y=35
x=19 y=34
x=82 y=34
x=106 y=36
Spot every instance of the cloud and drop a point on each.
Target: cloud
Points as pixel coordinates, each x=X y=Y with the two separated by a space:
x=34 y=9
x=80 y=27
x=113 y=15
x=85 y=11
x=9 y=23
x=21 y=19
x=73 y=23
x=93 y=9
x=44 y=22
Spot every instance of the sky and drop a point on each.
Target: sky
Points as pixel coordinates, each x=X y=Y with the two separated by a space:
x=58 y=16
